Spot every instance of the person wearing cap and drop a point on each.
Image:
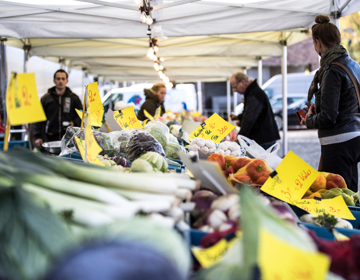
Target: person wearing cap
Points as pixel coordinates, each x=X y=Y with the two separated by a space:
x=155 y=98
x=257 y=121
x=59 y=105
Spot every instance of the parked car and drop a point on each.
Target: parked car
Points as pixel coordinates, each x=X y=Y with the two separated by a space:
x=292 y=118
x=276 y=101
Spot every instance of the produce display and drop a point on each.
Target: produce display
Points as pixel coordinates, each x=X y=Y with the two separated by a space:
x=328 y=185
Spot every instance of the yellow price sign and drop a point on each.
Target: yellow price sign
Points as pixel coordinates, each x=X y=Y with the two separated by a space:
x=22 y=101
x=150 y=117
x=94 y=98
x=335 y=206
x=212 y=255
x=92 y=147
x=281 y=261
x=95 y=118
x=214 y=128
x=294 y=176
x=127 y=118
x=157 y=113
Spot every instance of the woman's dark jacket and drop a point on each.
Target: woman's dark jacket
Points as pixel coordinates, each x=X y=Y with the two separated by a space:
x=336 y=103
x=150 y=105
x=257 y=121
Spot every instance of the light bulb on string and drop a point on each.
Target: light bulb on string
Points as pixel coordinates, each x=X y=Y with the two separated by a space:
x=143 y=17
x=150 y=53
x=138 y=2
x=169 y=85
x=160 y=73
x=149 y=20
x=156 y=67
x=161 y=67
x=155 y=58
x=166 y=79
x=156 y=49
x=161 y=59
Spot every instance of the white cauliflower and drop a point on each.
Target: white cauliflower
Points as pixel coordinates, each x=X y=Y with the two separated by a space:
x=204 y=149
x=209 y=144
x=194 y=147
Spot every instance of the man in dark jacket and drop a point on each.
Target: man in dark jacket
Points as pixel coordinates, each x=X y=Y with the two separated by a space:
x=257 y=120
x=59 y=105
x=155 y=98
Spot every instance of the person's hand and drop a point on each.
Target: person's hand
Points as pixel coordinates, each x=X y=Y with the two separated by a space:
x=38 y=143
x=237 y=123
x=311 y=111
x=233 y=117
x=71 y=124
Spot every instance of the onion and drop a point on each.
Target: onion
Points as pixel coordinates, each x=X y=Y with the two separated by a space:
x=227 y=225
x=202 y=200
x=224 y=203
x=234 y=213
x=285 y=212
x=215 y=218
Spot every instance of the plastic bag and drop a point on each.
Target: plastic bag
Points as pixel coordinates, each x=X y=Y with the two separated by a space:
x=172 y=149
x=172 y=139
x=158 y=125
x=67 y=144
x=141 y=142
x=254 y=150
x=121 y=138
x=159 y=131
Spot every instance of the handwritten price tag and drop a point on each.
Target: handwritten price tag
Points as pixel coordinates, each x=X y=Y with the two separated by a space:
x=212 y=255
x=95 y=118
x=281 y=261
x=127 y=118
x=294 y=177
x=92 y=147
x=94 y=98
x=214 y=128
x=335 y=206
x=22 y=101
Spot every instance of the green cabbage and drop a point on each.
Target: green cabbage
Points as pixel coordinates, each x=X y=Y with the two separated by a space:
x=172 y=139
x=172 y=149
x=159 y=135
x=141 y=165
x=157 y=161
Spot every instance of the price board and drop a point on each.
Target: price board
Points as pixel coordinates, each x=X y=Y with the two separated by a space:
x=127 y=118
x=92 y=147
x=335 y=206
x=214 y=128
x=22 y=101
x=95 y=118
x=94 y=99
x=291 y=179
x=281 y=261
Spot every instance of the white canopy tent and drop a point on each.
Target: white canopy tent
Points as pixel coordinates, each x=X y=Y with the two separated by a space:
x=107 y=38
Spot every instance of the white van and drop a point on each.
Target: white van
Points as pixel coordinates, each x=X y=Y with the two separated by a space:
x=297 y=83
x=178 y=98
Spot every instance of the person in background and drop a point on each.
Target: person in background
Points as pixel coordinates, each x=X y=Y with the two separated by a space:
x=257 y=121
x=336 y=112
x=155 y=98
x=59 y=105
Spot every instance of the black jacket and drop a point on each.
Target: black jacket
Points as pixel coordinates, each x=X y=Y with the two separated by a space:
x=336 y=103
x=257 y=121
x=150 y=105
x=58 y=109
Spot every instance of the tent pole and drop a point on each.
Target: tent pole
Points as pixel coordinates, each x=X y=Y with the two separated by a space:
x=27 y=48
x=336 y=13
x=228 y=94
x=199 y=96
x=3 y=78
x=260 y=72
x=284 y=89
x=235 y=100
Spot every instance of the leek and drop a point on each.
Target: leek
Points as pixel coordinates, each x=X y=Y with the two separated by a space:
x=76 y=188
x=134 y=195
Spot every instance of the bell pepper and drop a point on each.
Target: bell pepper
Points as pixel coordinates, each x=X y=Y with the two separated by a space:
x=240 y=179
x=228 y=159
x=257 y=168
x=261 y=181
x=228 y=171
x=219 y=158
x=239 y=163
x=335 y=181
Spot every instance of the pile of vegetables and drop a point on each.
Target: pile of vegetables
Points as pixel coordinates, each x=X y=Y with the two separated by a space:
x=231 y=149
x=205 y=146
x=243 y=171
x=329 y=185
x=150 y=162
x=95 y=196
x=326 y=220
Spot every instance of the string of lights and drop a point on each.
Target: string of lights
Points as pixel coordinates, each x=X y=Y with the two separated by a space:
x=145 y=10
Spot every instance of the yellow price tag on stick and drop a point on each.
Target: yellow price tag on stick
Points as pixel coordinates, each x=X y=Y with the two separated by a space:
x=92 y=147
x=157 y=113
x=293 y=177
x=95 y=118
x=22 y=101
x=335 y=206
x=214 y=128
x=127 y=118
x=150 y=117
x=281 y=261
x=94 y=98
x=209 y=256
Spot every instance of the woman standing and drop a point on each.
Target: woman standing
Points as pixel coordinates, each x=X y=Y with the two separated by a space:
x=155 y=98
x=336 y=112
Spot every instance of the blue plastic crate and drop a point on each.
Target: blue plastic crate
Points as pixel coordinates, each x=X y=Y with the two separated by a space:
x=356 y=212
x=322 y=232
x=72 y=156
x=14 y=143
x=196 y=236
